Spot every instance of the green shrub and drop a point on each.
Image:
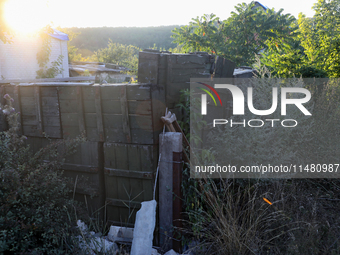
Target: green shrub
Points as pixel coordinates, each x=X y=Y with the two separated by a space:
x=35 y=204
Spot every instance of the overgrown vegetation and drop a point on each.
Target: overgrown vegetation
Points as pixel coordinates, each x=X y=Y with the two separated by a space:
x=43 y=56
x=230 y=216
x=115 y=53
x=239 y=38
x=289 y=47
x=37 y=214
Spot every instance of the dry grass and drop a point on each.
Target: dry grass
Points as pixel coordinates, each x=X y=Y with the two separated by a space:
x=303 y=217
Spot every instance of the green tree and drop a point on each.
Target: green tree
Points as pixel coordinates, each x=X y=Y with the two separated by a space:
x=320 y=36
x=240 y=37
x=125 y=55
x=314 y=52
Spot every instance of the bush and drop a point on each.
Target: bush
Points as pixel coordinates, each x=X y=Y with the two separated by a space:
x=35 y=204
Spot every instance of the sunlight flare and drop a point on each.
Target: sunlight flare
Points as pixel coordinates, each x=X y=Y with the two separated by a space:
x=26 y=17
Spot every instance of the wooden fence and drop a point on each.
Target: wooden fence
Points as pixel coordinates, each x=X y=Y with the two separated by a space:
x=122 y=123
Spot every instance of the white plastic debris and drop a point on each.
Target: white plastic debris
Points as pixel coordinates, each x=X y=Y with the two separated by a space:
x=120 y=234
x=109 y=247
x=91 y=243
x=143 y=230
x=82 y=226
x=171 y=252
x=154 y=252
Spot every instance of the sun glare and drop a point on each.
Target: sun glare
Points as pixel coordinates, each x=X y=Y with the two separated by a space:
x=26 y=17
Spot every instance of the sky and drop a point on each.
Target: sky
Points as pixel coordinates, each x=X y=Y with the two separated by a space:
x=28 y=15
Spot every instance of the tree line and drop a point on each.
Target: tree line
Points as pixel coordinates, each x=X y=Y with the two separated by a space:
x=94 y=38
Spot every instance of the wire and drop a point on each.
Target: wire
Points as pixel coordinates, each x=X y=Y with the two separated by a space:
x=159 y=160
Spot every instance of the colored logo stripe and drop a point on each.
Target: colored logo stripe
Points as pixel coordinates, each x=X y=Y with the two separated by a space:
x=213 y=90
x=208 y=92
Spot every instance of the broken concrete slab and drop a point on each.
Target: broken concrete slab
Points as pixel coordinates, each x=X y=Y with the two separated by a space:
x=120 y=234
x=144 y=227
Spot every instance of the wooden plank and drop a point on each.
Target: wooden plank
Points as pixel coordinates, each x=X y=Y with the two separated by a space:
x=219 y=67
x=67 y=93
x=158 y=110
x=187 y=59
x=49 y=92
x=133 y=91
x=138 y=136
x=30 y=120
x=50 y=109
x=31 y=131
x=80 y=168
x=51 y=121
x=39 y=120
x=89 y=93
x=134 y=155
x=125 y=114
x=68 y=105
x=124 y=188
x=80 y=108
x=52 y=132
x=149 y=158
x=137 y=92
x=89 y=153
x=99 y=114
x=122 y=203
x=27 y=105
x=115 y=121
x=148 y=155
x=128 y=173
x=89 y=106
x=135 y=107
x=79 y=78
x=70 y=132
x=55 y=84
x=49 y=101
x=110 y=161
x=92 y=134
x=134 y=158
x=126 y=217
x=27 y=91
x=69 y=119
x=148 y=67
x=228 y=69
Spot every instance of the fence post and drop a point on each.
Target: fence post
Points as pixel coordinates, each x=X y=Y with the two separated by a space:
x=169 y=143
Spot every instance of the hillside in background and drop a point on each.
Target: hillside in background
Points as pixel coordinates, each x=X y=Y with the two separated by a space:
x=92 y=39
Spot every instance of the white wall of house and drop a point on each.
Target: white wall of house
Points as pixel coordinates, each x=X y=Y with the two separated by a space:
x=19 y=58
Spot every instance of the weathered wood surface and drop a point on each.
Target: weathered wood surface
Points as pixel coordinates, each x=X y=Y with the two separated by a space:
x=174 y=71
x=80 y=78
x=68 y=84
x=117 y=113
x=121 y=123
x=129 y=174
